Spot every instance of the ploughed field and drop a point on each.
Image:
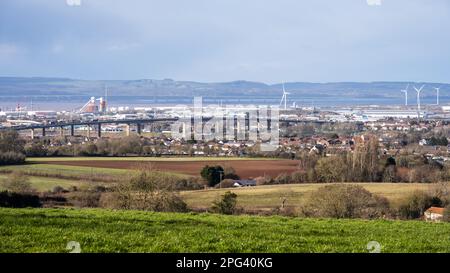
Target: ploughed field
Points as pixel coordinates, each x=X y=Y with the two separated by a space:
x=244 y=168
x=97 y=230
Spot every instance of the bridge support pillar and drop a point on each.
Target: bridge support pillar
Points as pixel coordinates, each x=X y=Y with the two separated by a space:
x=99 y=130
x=139 y=128
x=89 y=131
x=43 y=132
x=128 y=129
x=32 y=133
x=72 y=130
x=61 y=131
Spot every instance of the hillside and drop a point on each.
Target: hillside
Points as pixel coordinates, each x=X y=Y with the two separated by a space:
x=16 y=86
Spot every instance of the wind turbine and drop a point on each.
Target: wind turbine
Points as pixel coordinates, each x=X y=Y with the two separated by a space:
x=418 y=98
x=406 y=94
x=284 y=97
x=437 y=94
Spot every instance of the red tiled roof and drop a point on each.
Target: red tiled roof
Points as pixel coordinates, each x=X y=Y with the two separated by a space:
x=436 y=210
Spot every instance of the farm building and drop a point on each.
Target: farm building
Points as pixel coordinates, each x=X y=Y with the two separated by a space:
x=244 y=183
x=434 y=214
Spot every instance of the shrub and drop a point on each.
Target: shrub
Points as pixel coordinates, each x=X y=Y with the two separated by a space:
x=17 y=182
x=282 y=178
x=110 y=200
x=84 y=199
x=447 y=214
x=416 y=204
x=59 y=189
x=264 y=180
x=345 y=201
x=191 y=183
x=299 y=177
x=146 y=189
x=19 y=200
x=227 y=204
x=11 y=158
x=226 y=183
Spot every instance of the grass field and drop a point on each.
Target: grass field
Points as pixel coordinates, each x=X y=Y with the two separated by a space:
x=49 y=230
x=269 y=197
x=47 y=176
x=66 y=172
x=42 y=184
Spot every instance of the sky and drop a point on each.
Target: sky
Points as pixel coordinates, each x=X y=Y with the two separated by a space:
x=225 y=40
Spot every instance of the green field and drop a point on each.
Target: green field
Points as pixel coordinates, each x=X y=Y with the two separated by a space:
x=269 y=197
x=67 y=172
x=49 y=230
x=46 y=176
x=42 y=184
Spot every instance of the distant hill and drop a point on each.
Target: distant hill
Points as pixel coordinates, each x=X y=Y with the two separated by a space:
x=16 y=86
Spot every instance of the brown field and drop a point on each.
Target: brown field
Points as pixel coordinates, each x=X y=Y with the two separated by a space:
x=244 y=168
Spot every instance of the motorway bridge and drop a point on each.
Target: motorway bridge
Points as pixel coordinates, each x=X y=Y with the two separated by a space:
x=139 y=123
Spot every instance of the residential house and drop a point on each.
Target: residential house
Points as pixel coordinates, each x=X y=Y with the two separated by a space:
x=434 y=214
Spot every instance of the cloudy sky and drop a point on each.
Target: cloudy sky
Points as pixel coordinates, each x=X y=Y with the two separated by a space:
x=224 y=40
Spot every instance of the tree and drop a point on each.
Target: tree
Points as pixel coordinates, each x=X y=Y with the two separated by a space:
x=227 y=204
x=365 y=161
x=230 y=173
x=390 y=174
x=17 y=182
x=10 y=141
x=212 y=174
x=345 y=201
x=36 y=149
x=331 y=169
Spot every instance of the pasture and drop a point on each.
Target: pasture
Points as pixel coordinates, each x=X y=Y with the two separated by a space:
x=96 y=230
x=271 y=196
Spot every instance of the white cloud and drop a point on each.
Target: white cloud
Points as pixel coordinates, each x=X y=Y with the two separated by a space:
x=8 y=51
x=57 y=48
x=123 y=47
x=73 y=2
x=374 y=2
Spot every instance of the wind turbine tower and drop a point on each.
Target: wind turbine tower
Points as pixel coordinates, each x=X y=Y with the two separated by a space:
x=284 y=97
x=437 y=94
x=406 y=94
x=418 y=98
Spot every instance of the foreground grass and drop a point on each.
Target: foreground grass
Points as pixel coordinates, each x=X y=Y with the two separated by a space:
x=269 y=197
x=49 y=230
